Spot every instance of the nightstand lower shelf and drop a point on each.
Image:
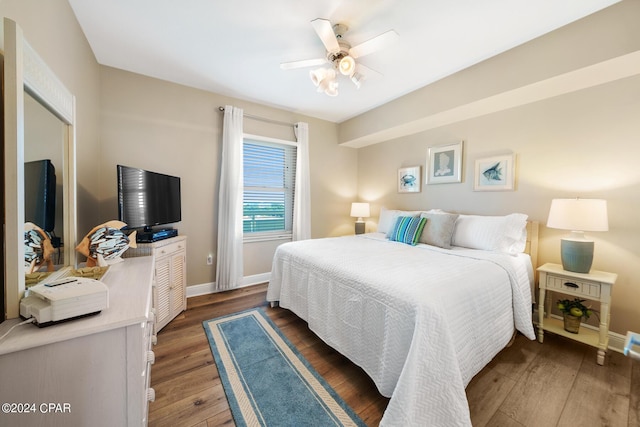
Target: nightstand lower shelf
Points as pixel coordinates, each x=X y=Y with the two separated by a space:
x=585 y=336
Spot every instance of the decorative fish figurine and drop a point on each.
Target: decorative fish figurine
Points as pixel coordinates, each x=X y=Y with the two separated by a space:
x=494 y=173
x=105 y=243
x=37 y=248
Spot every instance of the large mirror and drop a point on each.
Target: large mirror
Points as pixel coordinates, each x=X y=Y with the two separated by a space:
x=39 y=143
x=44 y=164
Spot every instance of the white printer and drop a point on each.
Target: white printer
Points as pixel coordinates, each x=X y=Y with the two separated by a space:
x=64 y=299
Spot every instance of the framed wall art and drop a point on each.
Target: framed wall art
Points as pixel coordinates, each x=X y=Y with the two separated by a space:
x=495 y=173
x=409 y=180
x=444 y=164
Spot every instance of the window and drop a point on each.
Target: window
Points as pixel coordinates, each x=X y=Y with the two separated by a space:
x=269 y=177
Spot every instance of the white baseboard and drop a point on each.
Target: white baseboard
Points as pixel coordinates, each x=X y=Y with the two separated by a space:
x=616 y=341
x=210 y=288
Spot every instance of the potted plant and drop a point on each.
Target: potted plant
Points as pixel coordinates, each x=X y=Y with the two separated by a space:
x=572 y=312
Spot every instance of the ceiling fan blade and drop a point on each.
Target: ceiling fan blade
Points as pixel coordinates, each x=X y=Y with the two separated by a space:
x=304 y=63
x=374 y=44
x=324 y=29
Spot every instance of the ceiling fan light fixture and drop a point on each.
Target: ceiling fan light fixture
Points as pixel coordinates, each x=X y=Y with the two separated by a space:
x=324 y=85
x=357 y=78
x=347 y=65
x=341 y=56
x=325 y=80
x=329 y=85
x=332 y=88
x=317 y=76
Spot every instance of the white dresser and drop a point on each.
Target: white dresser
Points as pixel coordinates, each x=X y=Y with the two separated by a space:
x=170 y=276
x=87 y=372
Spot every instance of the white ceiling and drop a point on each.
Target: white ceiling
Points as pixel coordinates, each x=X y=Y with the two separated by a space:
x=235 y=47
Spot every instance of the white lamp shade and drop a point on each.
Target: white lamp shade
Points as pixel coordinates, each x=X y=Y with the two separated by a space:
x=317 y=75
x=347 y=65
x=325 y=80
x=578 y=215
x=360 y=210
x=332 y=88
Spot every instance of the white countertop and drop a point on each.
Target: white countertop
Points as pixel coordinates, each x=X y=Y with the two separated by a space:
x=129 y=302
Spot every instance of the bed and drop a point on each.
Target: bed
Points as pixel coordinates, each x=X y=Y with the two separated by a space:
x=423 y=319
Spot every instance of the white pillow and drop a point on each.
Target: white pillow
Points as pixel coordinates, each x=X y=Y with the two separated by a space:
x=388 y=217
x=492 y=233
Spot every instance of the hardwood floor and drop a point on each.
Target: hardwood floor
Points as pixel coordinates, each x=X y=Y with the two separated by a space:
x=557 y=383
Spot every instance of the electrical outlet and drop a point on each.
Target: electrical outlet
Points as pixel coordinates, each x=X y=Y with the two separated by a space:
x=210 y=259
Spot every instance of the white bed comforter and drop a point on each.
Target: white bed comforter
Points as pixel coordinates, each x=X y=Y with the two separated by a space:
x=421 y=321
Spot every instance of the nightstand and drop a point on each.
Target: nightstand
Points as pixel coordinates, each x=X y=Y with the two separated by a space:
x=594 y=286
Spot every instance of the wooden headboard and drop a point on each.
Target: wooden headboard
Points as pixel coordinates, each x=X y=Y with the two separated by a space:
x=532 y=244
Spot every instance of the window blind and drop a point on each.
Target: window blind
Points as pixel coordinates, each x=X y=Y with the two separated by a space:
x=269 y=177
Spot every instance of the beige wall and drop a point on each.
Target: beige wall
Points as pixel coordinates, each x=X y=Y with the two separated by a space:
x=173 y=129
x=584 y=143
x=51 y=29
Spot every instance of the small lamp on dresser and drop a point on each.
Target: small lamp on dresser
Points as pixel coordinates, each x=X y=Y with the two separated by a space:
x=360 y=210
x=578 y=215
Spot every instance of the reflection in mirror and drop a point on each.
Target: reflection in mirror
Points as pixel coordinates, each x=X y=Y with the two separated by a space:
x=44 y=137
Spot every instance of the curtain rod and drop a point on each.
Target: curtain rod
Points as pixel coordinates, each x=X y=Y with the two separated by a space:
x=262 y=119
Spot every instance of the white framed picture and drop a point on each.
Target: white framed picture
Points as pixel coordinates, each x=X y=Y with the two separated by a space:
x=444 y=164
x=495 y=173
x=409 y=180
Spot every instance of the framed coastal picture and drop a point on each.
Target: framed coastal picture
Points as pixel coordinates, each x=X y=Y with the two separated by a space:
x=409 y=180
x=495 y=173
x=444 y=164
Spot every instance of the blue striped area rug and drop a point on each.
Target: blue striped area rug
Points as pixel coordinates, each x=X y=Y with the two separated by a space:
x=266 y=380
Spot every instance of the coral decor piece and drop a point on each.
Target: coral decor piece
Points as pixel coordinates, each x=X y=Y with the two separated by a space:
x=37 y=248
x=105 y=243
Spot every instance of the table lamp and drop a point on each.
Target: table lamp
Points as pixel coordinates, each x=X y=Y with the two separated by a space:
x=578 y=215
x=360 y=210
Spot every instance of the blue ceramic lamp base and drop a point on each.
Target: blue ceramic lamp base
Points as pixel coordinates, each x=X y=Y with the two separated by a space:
x=577 y=256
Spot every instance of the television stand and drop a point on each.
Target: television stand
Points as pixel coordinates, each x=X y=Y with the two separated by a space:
x=154 y=235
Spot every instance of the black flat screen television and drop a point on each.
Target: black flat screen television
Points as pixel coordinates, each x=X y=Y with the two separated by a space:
x=40 y=194
x=147 y=199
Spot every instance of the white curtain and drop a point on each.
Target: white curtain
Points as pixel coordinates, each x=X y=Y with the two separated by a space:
x=229 y=261
x=302 y=198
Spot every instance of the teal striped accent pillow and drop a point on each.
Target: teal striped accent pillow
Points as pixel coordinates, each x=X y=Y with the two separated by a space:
x=408 y=229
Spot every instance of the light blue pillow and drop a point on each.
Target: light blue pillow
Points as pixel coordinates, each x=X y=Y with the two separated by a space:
x=407 y=229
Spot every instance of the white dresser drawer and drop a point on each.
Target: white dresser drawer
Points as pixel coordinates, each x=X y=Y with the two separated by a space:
x=586 y=288
x=170 y=248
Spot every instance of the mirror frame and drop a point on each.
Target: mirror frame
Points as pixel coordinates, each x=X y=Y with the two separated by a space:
x=24 y=70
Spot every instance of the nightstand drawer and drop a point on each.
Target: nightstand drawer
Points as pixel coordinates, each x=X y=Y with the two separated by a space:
x=589 y=289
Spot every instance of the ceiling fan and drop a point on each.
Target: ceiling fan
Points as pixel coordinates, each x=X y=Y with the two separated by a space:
x=340 y=55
